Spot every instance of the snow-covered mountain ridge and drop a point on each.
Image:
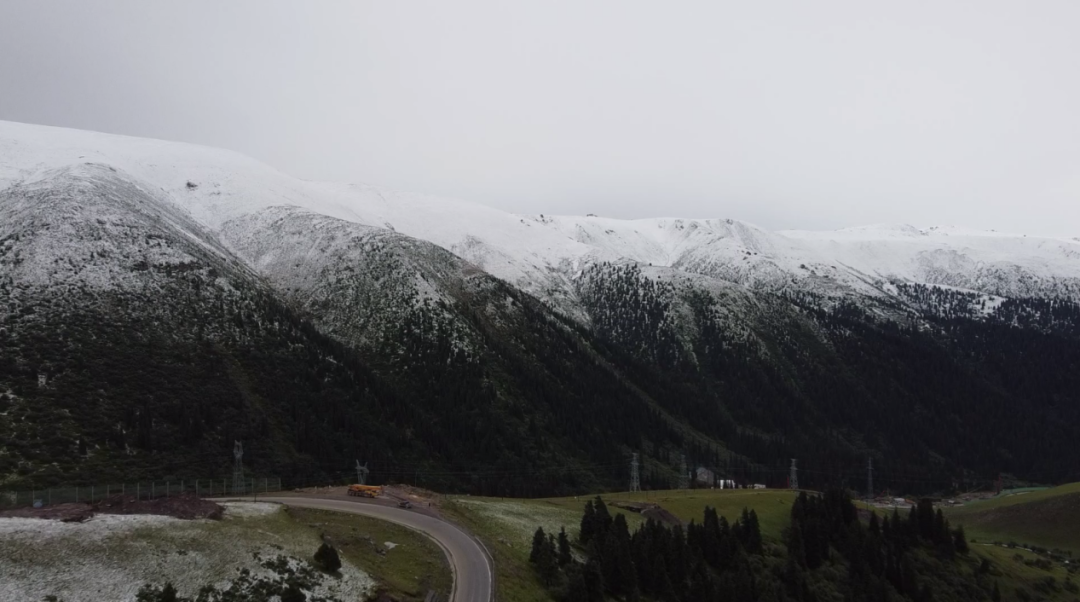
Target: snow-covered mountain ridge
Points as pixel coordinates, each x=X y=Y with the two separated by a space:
x=158 y=300
x=543 y=254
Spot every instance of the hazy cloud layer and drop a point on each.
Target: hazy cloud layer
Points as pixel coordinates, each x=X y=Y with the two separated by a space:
x=789 y=114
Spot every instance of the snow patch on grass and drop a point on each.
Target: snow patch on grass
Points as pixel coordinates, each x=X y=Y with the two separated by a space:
x=249 y=509
x=109 y=557
x=518 y=520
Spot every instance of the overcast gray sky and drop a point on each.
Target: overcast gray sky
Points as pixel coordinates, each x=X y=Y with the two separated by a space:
x=788 y=114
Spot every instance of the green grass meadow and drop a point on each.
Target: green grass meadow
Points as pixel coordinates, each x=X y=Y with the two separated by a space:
x=507 y=525
x=1049 y=518
x=405 y=572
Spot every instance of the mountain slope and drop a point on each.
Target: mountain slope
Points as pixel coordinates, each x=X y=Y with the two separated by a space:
x=176 y=298
x=158 y=347
x=541 y=254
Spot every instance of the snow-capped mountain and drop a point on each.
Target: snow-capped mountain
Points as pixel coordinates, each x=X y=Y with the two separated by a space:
x=543 y=254
x=159 y=298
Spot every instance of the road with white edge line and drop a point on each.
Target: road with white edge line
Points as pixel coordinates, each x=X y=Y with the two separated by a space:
x=469 y=563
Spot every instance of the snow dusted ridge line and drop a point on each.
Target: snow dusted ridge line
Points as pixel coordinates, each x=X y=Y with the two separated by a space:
x=542 y=254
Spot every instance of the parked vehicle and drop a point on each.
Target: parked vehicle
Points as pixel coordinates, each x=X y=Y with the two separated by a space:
x=371 y=491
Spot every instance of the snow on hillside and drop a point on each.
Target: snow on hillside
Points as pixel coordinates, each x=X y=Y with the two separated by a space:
x=110 y=557
x=990 y=262
x=542 y=254
x=215 y=186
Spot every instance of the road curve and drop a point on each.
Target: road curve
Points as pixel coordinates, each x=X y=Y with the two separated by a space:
x=471 y=569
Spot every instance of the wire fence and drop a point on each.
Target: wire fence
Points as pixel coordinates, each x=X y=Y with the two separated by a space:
x=140 y=490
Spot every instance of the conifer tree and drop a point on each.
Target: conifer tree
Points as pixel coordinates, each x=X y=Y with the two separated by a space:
x=754 y=542
x=796 y=546
x=960 y=540
x=594 y=581
x=538 y=542
x=602 y=520
x=327 y=558
x=588 y=524
x=565 y=558
x=941 y=528
x=576 y=589
x=547 y=561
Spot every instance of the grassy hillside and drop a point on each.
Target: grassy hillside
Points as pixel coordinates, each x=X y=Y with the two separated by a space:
x=406 y=571
x=507 y=525
x=1019 y=573
x=110 y=557
x=1049 y=518
x=773 y=506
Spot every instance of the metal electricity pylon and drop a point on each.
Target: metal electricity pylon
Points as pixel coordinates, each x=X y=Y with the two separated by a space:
x=238 y=468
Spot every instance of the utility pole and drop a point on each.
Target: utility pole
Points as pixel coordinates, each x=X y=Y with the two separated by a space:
x=869 y=479
x=238 y=468
x=635 y=474
x=793 y=479
x=684 y=474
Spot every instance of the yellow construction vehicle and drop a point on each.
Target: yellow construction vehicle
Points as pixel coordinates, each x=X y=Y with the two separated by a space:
x=365 y=490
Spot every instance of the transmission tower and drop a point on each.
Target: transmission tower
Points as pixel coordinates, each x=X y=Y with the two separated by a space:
x=869 y=478
x=361 y=473
x=684 y=474
x=793 y=479
x=238 y=468
x=635 y=475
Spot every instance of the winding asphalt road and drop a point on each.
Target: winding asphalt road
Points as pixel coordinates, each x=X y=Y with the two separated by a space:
x=468 y=561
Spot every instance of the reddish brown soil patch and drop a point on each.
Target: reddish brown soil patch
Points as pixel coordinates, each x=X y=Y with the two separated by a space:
x=68 y=513
x=187 y=507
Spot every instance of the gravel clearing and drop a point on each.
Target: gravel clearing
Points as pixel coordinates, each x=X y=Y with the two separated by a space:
x=109 y=557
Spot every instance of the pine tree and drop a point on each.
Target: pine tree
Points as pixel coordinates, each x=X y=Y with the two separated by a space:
x=754 y=542
x=547 y=564
x=565 y=558
x=594 y=581
x=538 y=542
x=620 y=575
x=576 y=588
x=925 y=520
x=327 y=558
x=794 y=580
x=702 y=585
x=960 y=540
x=588 y=524
x=947 y=543
x=941 y=527
x=603 y=520
x=168 y=593
x=796 y=546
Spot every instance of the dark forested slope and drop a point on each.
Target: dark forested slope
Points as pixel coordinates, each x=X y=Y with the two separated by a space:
x=134 y=344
